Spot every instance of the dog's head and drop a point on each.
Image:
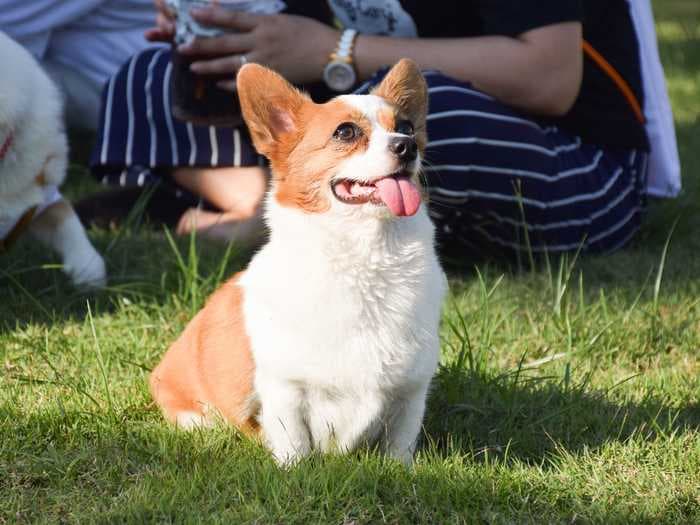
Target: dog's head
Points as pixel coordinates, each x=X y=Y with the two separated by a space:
x=356 y=155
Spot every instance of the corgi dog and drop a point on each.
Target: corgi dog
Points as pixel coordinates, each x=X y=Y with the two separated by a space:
x=329 y=339
x=33 y=163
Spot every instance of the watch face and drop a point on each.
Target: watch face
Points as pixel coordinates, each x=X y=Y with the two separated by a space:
x=339 y=76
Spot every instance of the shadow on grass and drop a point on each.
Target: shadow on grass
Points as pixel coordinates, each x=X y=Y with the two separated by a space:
x=513 y=416
x=142 y=268
x=85 y=467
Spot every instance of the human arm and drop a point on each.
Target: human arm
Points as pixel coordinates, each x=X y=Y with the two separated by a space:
x=164 y=29
x=538 y=71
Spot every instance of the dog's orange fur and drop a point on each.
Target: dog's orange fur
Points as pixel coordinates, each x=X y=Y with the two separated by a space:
x=387 y=119
x=402 y=87
x=306 y=171
x=210 y=365
x=277 y=130
x=55 y=214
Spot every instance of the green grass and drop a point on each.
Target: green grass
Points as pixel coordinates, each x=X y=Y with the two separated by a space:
x=565 y=394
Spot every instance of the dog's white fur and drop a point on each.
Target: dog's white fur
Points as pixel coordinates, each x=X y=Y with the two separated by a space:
x=329 y=339
x=345 y=355
x=36 y=163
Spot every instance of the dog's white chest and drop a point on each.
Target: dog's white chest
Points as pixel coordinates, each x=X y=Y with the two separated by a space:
x=354 y=338
x=334 y=322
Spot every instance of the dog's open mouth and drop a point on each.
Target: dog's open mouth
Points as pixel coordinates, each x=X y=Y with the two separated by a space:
x=396 y=191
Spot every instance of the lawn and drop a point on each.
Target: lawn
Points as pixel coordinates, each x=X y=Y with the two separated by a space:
x=568 y=392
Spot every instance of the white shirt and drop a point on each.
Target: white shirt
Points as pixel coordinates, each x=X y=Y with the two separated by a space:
x=94 y=37
x=664 y=163
x=375 y=17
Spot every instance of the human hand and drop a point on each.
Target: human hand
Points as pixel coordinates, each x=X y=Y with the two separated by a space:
x=296 y=47
x=165 y=24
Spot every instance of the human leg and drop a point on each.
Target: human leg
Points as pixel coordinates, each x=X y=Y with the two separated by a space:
x=213 y=172
x=237 y=190
x=502 y=181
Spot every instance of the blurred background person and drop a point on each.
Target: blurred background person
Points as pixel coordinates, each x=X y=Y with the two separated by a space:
x=80 y=43
x=538 y=116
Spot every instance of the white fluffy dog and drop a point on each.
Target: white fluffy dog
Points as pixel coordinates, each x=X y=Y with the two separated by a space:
x=329 y=339
x=33 y=162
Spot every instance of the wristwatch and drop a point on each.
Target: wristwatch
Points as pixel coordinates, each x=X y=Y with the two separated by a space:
x=339 y=74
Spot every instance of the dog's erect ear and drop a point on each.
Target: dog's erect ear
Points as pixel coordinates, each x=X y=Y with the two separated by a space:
x=270 y=106
x=405 y=87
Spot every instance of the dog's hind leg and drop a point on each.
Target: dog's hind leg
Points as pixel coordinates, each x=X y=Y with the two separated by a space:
x=58 y=226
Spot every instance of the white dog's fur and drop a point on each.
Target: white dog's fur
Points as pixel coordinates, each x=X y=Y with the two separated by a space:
x=341 y=308
x=347 y=353
x=36 y=162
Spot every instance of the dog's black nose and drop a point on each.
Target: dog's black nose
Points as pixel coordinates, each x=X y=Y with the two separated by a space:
x=404 y=148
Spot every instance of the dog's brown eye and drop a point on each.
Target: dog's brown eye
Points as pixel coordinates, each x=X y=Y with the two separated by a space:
x=404 y=127
x=346 y=132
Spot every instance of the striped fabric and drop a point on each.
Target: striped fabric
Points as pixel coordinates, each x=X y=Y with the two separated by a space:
x=139 y=140
x=497 y=179
x=495 y=175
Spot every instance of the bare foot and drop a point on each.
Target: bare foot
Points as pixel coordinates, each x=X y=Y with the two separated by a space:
x=238 y=191
x=225 y=226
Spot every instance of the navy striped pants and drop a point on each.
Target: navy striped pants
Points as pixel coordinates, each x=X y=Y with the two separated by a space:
x=498 y=180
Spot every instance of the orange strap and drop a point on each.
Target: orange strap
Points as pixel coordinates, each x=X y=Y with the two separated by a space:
x=620 y=82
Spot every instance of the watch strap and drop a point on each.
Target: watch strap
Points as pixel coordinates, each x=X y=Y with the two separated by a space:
x=346 y=43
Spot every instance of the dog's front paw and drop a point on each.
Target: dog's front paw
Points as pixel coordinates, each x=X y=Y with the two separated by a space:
x=88 y=272
x=287 y=458
x=404 y=456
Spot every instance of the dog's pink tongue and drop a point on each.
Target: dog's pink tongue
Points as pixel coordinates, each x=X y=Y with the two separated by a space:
x=400 y=195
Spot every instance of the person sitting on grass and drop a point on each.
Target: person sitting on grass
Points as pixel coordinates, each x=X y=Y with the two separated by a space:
x=80 y=43
x=535 y=142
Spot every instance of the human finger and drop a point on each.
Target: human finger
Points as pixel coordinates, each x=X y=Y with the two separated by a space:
x=163 y=8
x=155 y=34
x=164 y=24
x=226 y=18
x=227 y=85
x=219 y=66
x=163 y=32
x=226 y=44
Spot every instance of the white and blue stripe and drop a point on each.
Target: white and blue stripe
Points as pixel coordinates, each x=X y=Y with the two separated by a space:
x=493 y=173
